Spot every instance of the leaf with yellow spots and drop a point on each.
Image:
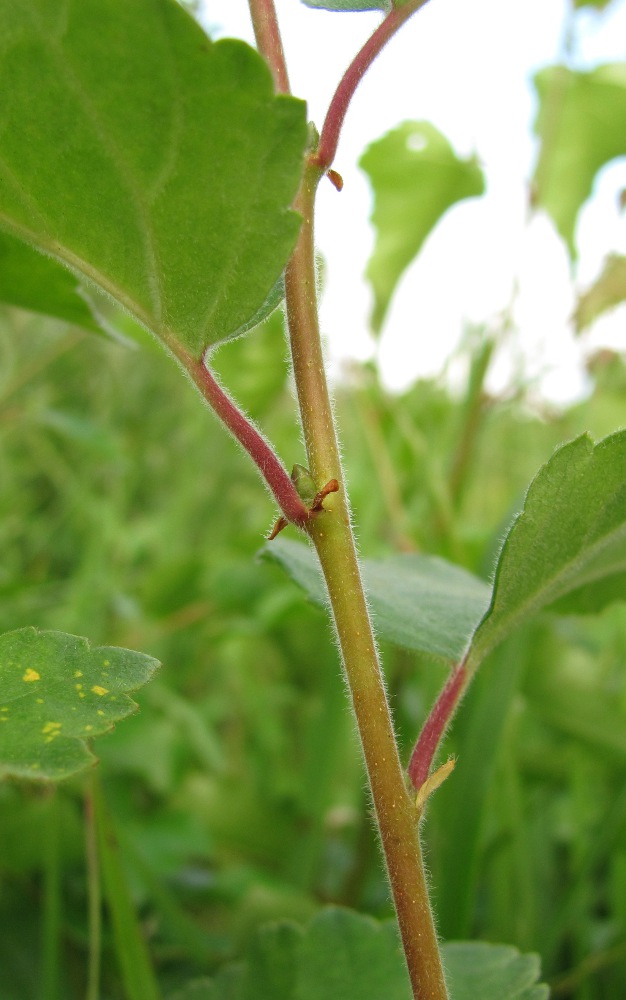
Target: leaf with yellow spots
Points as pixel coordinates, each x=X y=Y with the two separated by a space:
x=57 y=692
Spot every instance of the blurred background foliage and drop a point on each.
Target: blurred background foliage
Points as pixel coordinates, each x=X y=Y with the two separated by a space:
x=237 y=792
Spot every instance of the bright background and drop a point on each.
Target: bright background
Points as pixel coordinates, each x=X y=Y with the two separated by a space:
x=468 y=69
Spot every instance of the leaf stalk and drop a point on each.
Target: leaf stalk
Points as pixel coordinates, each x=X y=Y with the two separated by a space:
x=333 y=123
x=261 y=452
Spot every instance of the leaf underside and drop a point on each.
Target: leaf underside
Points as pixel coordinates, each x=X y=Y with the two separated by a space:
x=148 y=159
x=418 y=602
x=348 y=5
x=31 y=281
x=344 y=955
x=416 y=177
x=581 y=126
x=566 y=551
x=56 y=692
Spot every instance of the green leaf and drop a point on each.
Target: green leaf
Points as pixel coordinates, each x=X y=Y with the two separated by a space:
x=567 y=549
x=153 y=162
x=491 y=972
x=416 y=177
x=31 y=281
x=608 y=291
x=581 y=126
x=598 y=4
x=56 y=693
x=348 y=4
x=343 y=955
x=419 y=602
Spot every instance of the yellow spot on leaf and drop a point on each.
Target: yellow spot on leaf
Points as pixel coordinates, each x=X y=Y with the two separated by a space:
x=39 y=701
x=88 y=729
x=78 y=687
x=100 y=712
x=99 y=690
x=106 y=663
x=78 y=673
x=31 y=675
x=50 y=730
x=81 y=694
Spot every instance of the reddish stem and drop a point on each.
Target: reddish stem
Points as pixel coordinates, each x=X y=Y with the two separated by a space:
x=333 y=123
x=436 y=725
x=269 y=42
x=251 y=439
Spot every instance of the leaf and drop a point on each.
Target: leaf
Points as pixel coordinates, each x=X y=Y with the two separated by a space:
x=567 y=549
x=56 y=693
x=419 y=602
x=491 y=972
x=581 y=125
x=272 y=302
x=153 y=162
x=343 y=955
x=31 y=281
x=416 y=177
x=608 y=291
x=598 y=4
x=349 y=4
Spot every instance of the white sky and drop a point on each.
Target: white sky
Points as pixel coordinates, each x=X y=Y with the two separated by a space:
x=465 y=67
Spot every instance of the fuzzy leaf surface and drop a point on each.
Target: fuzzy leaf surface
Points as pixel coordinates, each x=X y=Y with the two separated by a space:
x=416 y=177
x=31 y=281
x=607 y=291
x=581 y=125
x=418 y=602
x=150 y=160
x=343 y=955
x=567 y=549
x=56 y=692
x=348 y=4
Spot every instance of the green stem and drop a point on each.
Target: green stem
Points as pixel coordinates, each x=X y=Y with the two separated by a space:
x=138 y=978
x=94 y=895
x=331 y=534
x=52 y=906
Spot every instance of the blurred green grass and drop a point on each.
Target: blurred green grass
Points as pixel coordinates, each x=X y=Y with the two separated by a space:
x=128 y=516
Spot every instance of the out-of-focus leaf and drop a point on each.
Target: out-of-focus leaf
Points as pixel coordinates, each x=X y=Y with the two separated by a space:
x=349 y=4
x=419 y=602
x=594 y=718
x=56 y=692
x=416 y=177
x=581 y=125
x=567 y=549
x=31 y=281
x=343 y=955
x=608 y=291
x=598 y=4
x=149 y=160
x=491 y=972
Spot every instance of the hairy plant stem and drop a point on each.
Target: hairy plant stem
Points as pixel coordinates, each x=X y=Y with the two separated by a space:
x=332 y=536
x=333 y=122
x=261 y=452
x=269 y=42
x=436 y=724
